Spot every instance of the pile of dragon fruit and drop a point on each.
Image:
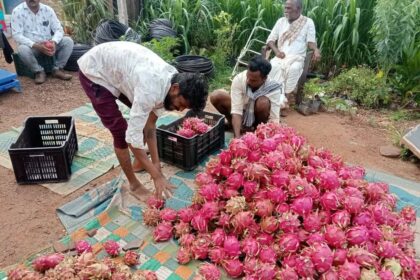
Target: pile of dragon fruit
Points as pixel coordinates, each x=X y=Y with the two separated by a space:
x=191 y=127
x=272 y=207
x=84 y=265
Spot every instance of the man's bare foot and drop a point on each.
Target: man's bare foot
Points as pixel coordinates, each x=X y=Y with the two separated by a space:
x=140 y=192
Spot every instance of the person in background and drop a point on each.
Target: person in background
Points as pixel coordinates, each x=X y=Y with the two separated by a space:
x=144 y=82
x=32 y=25
x=289 y=40
x=254 y=98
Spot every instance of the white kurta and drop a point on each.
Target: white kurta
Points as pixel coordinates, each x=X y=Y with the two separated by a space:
x=135 y=71
x=289 y=69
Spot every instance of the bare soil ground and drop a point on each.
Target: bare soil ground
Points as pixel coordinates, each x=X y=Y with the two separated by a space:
x=27 y=212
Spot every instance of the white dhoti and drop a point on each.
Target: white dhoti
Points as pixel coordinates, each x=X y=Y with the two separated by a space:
x=287 y=71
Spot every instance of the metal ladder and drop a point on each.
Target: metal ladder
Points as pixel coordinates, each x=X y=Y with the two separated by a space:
x=251 y=47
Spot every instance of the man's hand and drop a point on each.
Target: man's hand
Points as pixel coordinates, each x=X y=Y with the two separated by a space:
x=163 y=187
x=47 y=48
x=316 y=55
x=280 y=54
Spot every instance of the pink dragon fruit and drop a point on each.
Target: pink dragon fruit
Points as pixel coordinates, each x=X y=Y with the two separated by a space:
x=184 y=255
x=44 y=263
x=273 y=160
x=267 y=255
x=199 y=223
x=288 y=273
x=329 y=201
x=186 y=132
x=131 y=258
x=251 y=265
x=357 y=235
x=353 y=204
x=218 y=237
x=209 y=271
x=380 y=213
x=234 y=181
x=349 y=271
x=362 y=257
x=322 y=257
x=162 y=232
x=232 y=246
x=200 y=247
x=408 y=213
x=363 y=219
x=186 y=214
x=312 y=222
x=249 y=189
x=329 y=180
x=112 y=248
x=242 y=221
x=83 y=246
x=168 y=215
x=386 y=249
x=288 y=243
x=234 y=268
x=269 y=224
x=238 y=148
x=265 y=239
x=302 y=205
x=151 y=216
x=334 y=236
x=375 y=234
x=186 y=240
x=329 y=275
x=341 y=218
x=209 y=192
x=289 y=222
x=210 y=210
x=154 y=202
x=340 y=256
x=282 y=208
x=315 y=238
x=203 y=179
x=250 y=247
x=280 y=178
x=264 y=208
x=217 y=255
x=304 y=267
x=386 y=275
x=268 y=145
x=181 y=228
x=276 y=195
x=266 y=271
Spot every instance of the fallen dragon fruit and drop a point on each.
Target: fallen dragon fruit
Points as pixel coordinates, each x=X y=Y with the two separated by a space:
x=83 y=246
x=44 y=263
x=131 y=258
x=112 y=248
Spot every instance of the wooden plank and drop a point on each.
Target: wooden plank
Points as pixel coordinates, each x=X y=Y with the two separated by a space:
x=412 y=140
x=122 y=11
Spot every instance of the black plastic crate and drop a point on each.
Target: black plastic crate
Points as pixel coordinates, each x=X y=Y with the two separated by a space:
x=46 y=62
x=44 y=151
x=187 y=153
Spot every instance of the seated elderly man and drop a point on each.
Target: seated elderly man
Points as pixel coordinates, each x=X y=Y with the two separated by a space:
x=32 y=25
x=254 y=98
x=294 y=33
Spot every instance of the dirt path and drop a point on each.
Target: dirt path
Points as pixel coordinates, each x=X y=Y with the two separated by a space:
x=27 y=212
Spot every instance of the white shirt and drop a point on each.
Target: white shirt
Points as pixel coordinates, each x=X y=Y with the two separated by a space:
x=135 y=71
x=29 y=28
x=299 y=45
x=239 y=98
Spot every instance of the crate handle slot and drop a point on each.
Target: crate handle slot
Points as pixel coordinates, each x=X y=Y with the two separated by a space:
x=173 y=139
x=39 y=155
x=51 y=121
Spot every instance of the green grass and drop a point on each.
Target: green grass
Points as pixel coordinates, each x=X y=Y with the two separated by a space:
x=405 y=115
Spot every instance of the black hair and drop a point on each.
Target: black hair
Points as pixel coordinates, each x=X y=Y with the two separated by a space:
x=258 y=63
x=193 y=87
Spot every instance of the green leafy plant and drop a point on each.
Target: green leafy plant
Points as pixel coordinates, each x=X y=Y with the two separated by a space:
x=84 y=15
x=166 y=48
x=361 y=85
x=396 y=25
x=405 y=77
